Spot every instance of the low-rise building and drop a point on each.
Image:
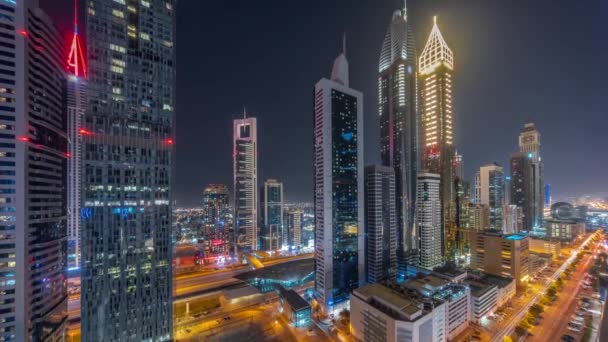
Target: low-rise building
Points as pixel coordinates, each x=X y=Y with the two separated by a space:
x=505 y=255
x=457 y=296
x=389 y=314
x=545 y=246
x=295 y=308
x=488 y=294
x=564 y=230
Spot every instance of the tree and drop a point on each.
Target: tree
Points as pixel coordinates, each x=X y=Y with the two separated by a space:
x=521 y=331
x=536 y=309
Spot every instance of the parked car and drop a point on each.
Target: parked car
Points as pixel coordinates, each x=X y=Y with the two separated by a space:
x=568 y=338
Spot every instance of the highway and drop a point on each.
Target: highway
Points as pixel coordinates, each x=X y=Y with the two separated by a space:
x=509 y=328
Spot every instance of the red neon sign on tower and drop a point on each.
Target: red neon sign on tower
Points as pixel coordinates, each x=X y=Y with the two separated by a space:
x=76 y=63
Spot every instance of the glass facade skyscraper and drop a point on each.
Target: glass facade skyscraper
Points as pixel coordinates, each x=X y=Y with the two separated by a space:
x=490 y=192
x=128 y=137
x=271 y=215
x=399 y=143
x=338 y=187
x=216 y=211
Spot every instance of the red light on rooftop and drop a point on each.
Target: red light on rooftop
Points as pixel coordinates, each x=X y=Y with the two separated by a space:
x=168 y=141
x=68 y=155
x=24 y=139
x=76 y=63
x=23 y=33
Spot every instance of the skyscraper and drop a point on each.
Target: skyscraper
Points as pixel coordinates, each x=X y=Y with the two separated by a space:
x=489 y=191
x=128 y=136
x=428 y=218
x=338 y=187
x=436 y=69
x=380 y=224
x=76 y=101
x=529 y=144
x=271 y=215
x=399 y=124
x=293 y=226
x=34 y=152
x=216 y=209
x=245 y=140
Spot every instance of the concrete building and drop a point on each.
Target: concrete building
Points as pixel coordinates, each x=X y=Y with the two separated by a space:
x=245 y=187
x=428 y=219
x=380 y=224
x=489 y=191
x=500 y=254
x=293 y=227
x=271 y=215
x=457 y=296
x=34 y=153
x=382 y=314
x=546 y=246
x=399 y=124
x=488 y=294
x=564 y=230
x=338 y=188
x=129 y=140
x=479 y=217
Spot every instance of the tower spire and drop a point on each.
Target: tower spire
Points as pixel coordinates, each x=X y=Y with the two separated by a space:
x=244 y=112
x=405 y=10
x=76 y=63
x=344 y=43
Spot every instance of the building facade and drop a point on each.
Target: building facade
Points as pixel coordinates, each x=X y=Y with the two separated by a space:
x=294 y=218
x=382 y=314
x=489 y=191
x=245 y=187
x=504 y=255
x=380 y=224
x=527 y=190
x=33 y=175
x=271 y=215
x=399 y=142
x=435 y=75
x=428 y=219
x=513 y=219
x=128 y=135
x=338 y=187
x=216 y=211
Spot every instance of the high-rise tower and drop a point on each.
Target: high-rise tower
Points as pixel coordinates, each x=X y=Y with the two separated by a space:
x=529 y=145
x=216 y=210
x=399 y=147
x=338 y=187
x=76 y=95
x=380 y=223
x=435 y=71
x=128 y=136
x=489 y=191
x=428 y=219
x=271 y=215
x=245 y=158
x=33 y=175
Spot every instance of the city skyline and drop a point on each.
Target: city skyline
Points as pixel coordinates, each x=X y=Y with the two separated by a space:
x=497 y=83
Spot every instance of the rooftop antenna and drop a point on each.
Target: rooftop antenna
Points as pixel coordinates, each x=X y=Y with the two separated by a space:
x=244 y=112
x=76 y=60
x=344 y=44
x=405 y=10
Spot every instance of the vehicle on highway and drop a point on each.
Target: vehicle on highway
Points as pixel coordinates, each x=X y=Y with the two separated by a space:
x=568 y=338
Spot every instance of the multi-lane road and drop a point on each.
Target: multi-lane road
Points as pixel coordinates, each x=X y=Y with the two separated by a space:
x=509 y=328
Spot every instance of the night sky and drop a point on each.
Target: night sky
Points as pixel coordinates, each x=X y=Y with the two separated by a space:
x=515 y=60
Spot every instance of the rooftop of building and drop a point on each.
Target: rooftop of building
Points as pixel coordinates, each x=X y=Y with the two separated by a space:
x=293 y=299
x=287 y=274
x=449 y=271
x=398 y=302
x=427 y=284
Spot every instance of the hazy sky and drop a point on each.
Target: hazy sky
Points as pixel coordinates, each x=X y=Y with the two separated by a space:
x=516 y=60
